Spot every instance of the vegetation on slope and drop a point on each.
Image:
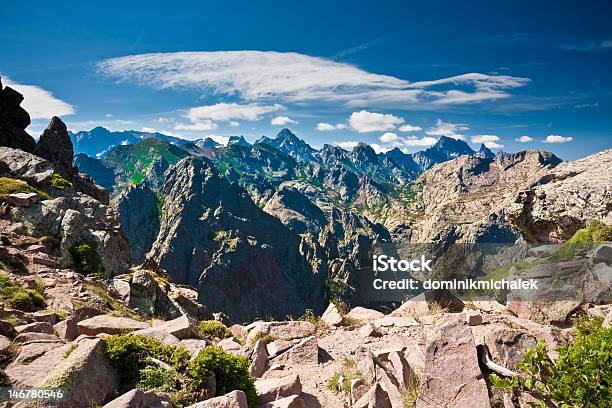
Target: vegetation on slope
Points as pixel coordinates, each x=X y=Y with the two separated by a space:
x=152 y=365
x=580 y=377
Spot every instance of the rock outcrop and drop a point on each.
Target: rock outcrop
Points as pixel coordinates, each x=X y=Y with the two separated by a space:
x=562 y=199
x=13 y=121
x=55 y=146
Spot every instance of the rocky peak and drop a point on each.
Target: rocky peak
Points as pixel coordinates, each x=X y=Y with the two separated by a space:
x=484 y=152
x=453 y=146
x=363 y=152
x=288 y=136
x=238 y=140
x=287 y=142
x=13 y=121
x=207 y=143
x=404 y=160
x=446 y=148
x=55 y=145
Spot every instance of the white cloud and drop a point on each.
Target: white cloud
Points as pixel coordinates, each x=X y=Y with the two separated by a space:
x=281 y=121
x=364 y=121
x=228 y=111
x=224 y=140
x=424 y=141
x=294 y=77
x=197 y=126
x=524 y=139
x=409 y=128
x=391 y=140
x=325 y=127
x=148 y=130
x=389 y=137
x=164 y=120
x=557 y=139
x=108 y=115
x=493 y=145
x=40 y=103
x=447 y=129
x=346 y=145
x=380 y=149
x=484 y=139
x=233 y=123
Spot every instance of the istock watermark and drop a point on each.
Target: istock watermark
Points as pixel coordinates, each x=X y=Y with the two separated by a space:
x=500 y=272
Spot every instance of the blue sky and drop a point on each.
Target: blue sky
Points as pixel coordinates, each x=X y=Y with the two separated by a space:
x=391 y=73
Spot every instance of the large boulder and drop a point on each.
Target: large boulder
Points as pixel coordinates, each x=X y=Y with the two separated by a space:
x=80 y=369
x=137 y=398
x=13 y=121
x=452 y=375
x=272 y=389
x=183 y=327
x=289 y=330
x=234 y=399
x=109 y=325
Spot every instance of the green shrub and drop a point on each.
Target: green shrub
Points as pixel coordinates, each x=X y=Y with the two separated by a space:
x=85 y=258
x=159 y=379
x=16 y=297
x=10 y=186
x=341 y=380
x=580 y=377
x=263 y=337
x=584 y=240
x=214 y=329
x=58 y=182
x=130 y=354
x=231 y=372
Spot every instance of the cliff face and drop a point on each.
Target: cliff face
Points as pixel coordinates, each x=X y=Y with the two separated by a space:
x=560 y=200
x=465 y=200
x=243 y=261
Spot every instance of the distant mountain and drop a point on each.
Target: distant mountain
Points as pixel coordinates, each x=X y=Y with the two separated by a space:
x=445 y=149
x=207 y=143
x=484 y=152
x=99 y=141
x=238 y=140
x=287 y=142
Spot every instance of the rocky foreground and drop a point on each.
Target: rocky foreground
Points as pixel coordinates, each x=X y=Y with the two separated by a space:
x=419 y=355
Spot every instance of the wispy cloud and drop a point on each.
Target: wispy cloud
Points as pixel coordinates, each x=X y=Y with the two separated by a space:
x=293 y=77
x=364 y=46
x=40 y=103
x=588 y=46
x=587 y=105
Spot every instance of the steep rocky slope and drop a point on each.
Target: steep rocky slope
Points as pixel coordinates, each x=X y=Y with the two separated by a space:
x=559 y=200
x=244 y=262
x=464 y=200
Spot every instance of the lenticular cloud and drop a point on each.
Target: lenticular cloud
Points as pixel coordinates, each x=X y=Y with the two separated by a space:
x=294 y=77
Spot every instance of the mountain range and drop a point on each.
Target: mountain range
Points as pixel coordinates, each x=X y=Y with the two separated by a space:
x=209 y=214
